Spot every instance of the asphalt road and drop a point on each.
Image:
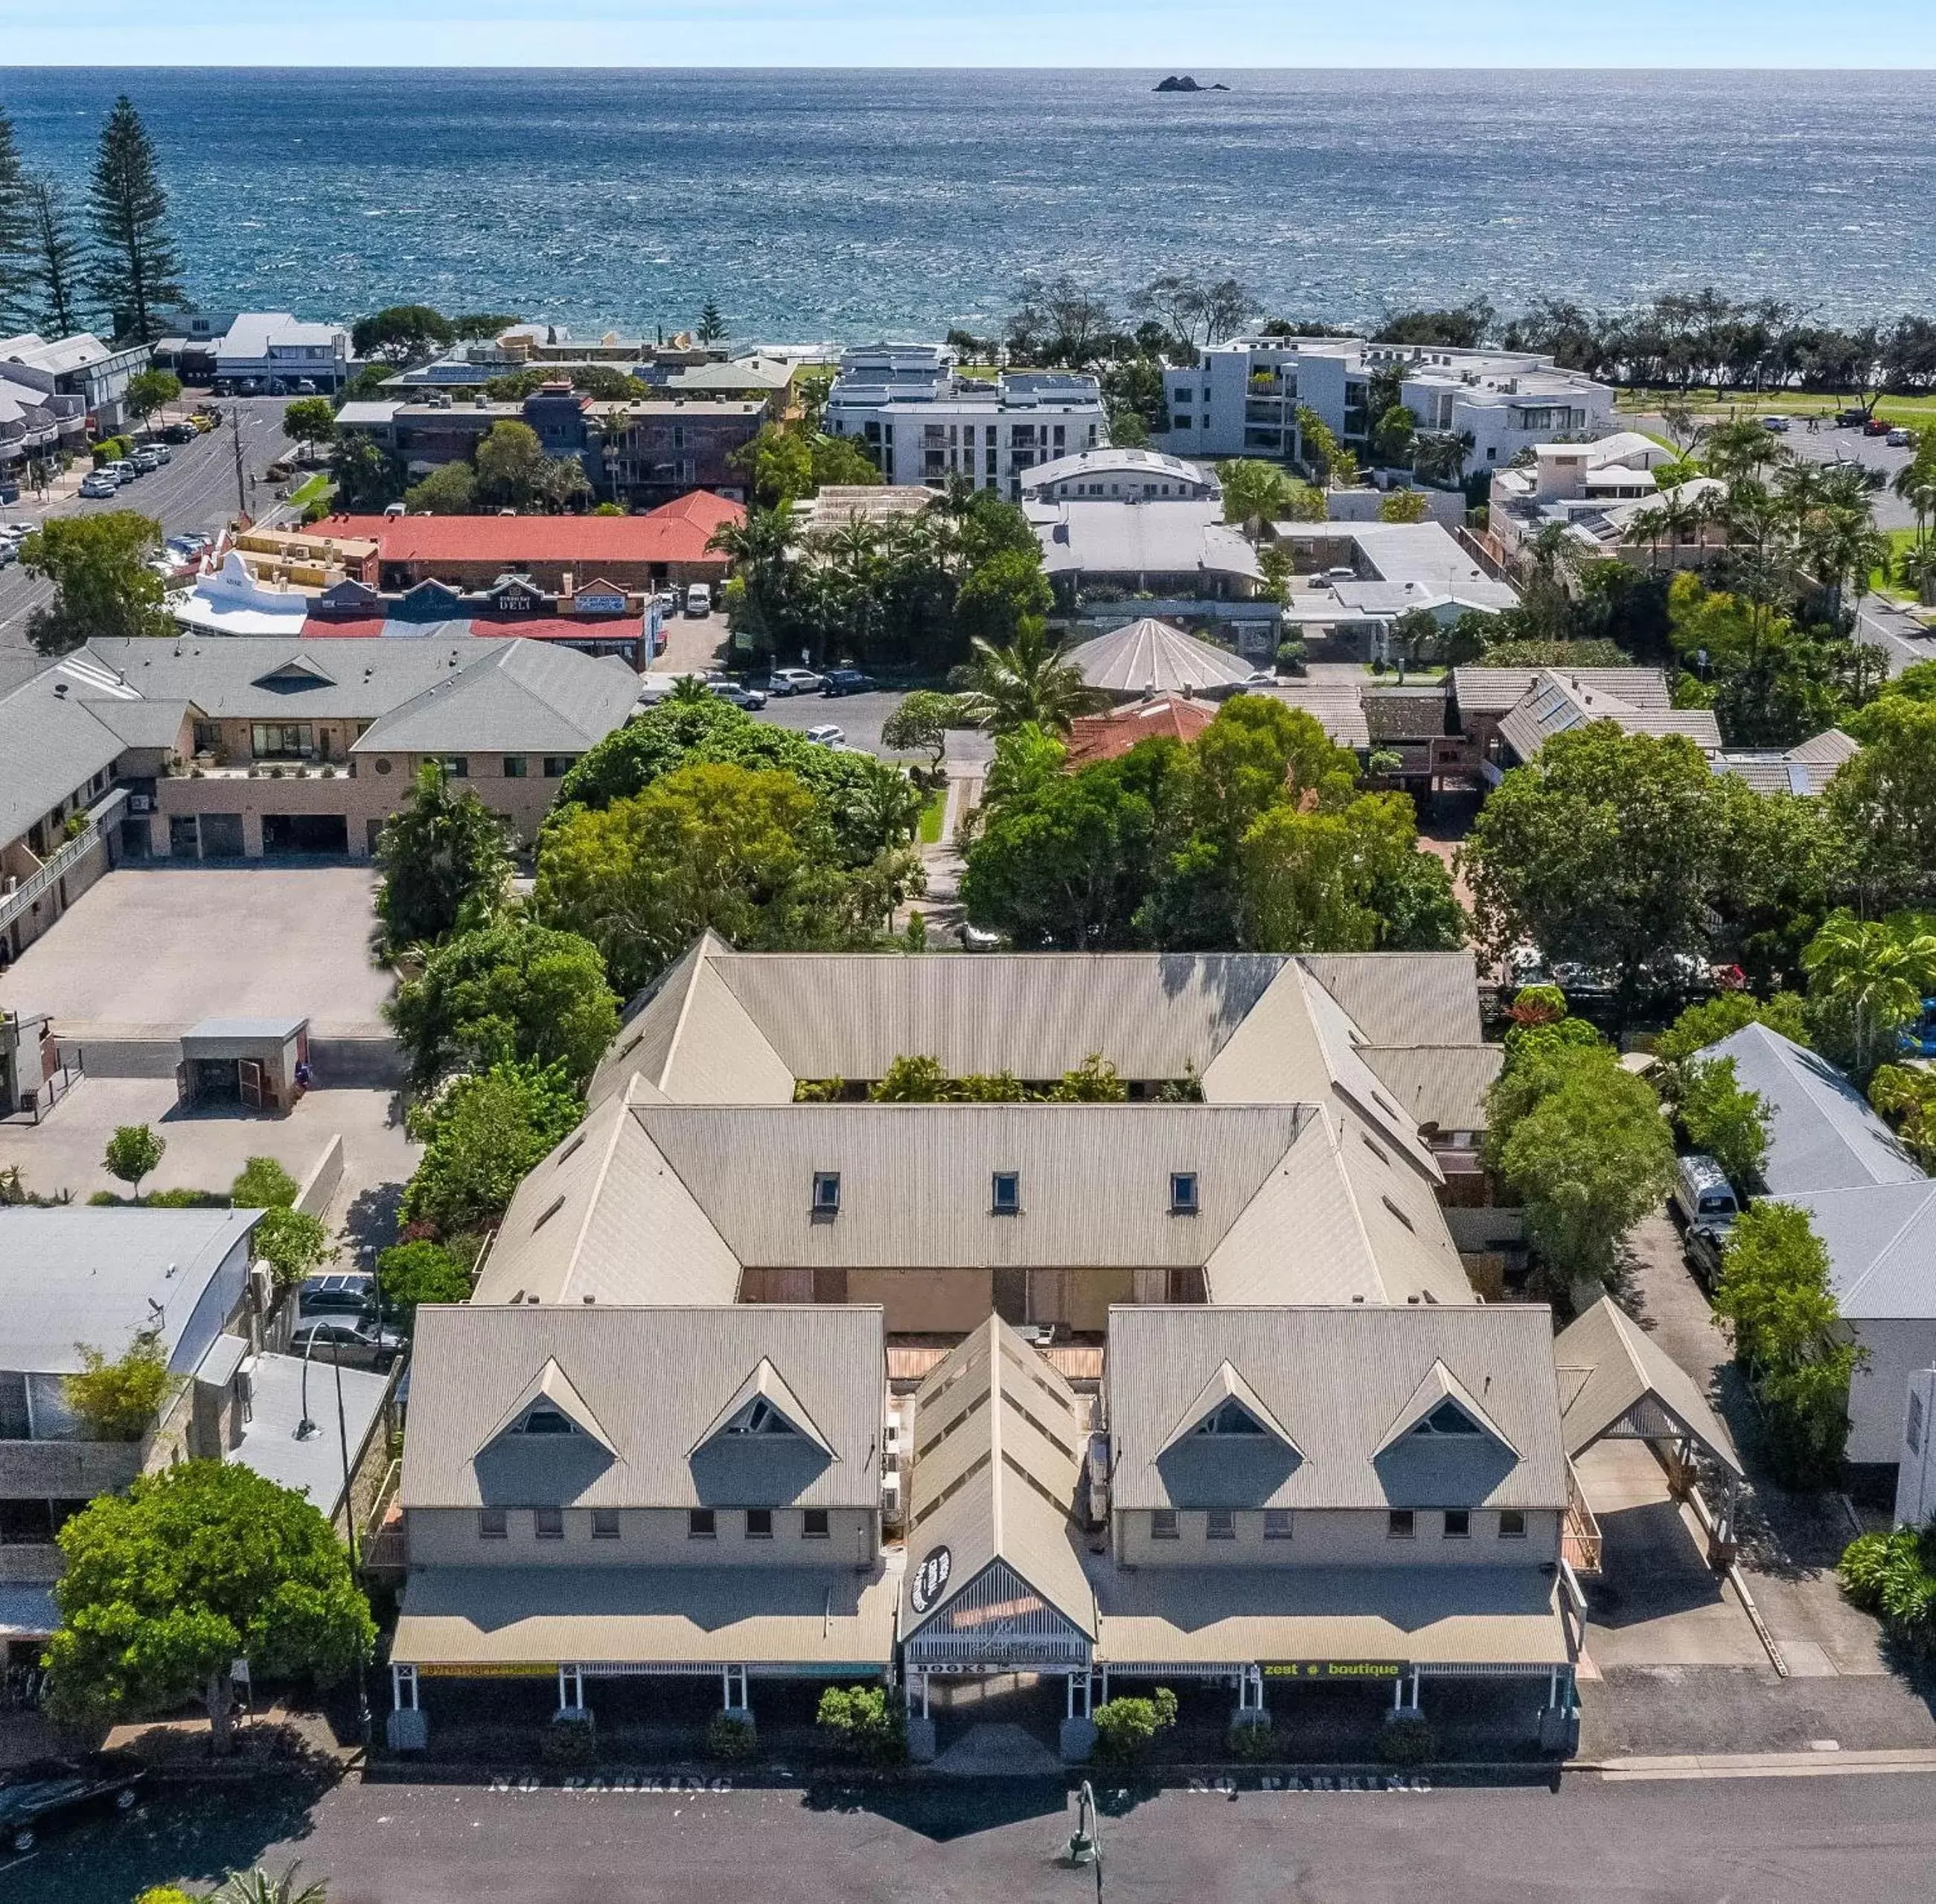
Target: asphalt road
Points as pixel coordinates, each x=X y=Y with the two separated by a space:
x=1850 y=1839
x=195 y=490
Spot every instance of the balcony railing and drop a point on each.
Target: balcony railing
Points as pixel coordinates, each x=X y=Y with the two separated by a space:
x=63 y=859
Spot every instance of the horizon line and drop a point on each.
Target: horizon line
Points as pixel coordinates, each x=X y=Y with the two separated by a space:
x=865 y=65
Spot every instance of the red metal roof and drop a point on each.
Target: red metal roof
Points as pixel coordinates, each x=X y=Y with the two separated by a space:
x=1093 y=737
x=530 y=627
x=675 y=532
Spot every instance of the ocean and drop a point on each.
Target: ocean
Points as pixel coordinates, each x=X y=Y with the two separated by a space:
x=848 y=205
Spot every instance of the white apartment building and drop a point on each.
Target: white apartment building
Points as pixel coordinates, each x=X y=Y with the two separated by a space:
x=271 y=350
x=1241 y=398
x=922 y=421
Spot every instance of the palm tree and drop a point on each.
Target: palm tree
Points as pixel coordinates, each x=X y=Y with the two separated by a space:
x=1870 y=977
x=1741 y=448
x=1648 y=524
x=1026 y=682
x=257 y=1887
x=1254 y=493
x=1838 y=544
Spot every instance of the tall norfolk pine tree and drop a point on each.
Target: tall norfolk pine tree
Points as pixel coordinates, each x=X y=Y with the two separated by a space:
x=55 y=257
x=16 y=272
x=135 y=261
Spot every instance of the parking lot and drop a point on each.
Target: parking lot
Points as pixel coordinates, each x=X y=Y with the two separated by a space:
x=194 y=490
x=164 y=946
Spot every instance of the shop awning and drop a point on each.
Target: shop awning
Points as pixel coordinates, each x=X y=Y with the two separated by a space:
x=1466 y=1615
x=493 y=1619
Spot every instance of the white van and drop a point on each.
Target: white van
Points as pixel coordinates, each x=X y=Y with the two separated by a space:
x=1702 y=1198
x=699 y=600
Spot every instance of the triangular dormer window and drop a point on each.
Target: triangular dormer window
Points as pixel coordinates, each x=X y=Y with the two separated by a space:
x=1448 y=1418
x=546 y=1420
x=1232 y=1418
x=763 y=1407
x=760 y=1417
x=1227 y=1407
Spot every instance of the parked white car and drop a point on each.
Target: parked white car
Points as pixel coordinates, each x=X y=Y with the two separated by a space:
x=827 y=737
x=792 y=680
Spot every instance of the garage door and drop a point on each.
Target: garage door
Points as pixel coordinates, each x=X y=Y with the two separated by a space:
x=221 y=836
x=306 y=833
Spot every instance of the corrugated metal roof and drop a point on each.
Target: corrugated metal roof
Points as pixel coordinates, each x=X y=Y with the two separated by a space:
x=915 y=1180
x=1336 y=706
x=1821 y=1134
x=1000 y=1441
x=1403 y=998
x=679 y=531
x=1337 y=1379
x=605 y=1218
x=1443 y=1086
x=851 y=1015
x=1150 y=654
x=51 y=745
x=1881 y=1241
x=476 y=1616
x=1622 y=1366
x=1422 y=1615
x=519 y=695
x=472 y=1363
x=70 y=1274
x=1498 y=690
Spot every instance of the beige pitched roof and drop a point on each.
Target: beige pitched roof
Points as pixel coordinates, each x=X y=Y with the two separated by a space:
x=766 y=1384
x=1339 y=1380
x=1227 y=1384
x=653 y=1380
x=1608 y=1365
x=1438 y=1385
x=1000 y=1445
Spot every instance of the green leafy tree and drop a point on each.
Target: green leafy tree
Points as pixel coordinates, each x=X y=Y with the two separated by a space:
x=403 y=334
x=1127 y=1729
x=1727 y=1122
x=1026 y=760
x=1403 y=506
x=119 y=1401
x=411 y=1273
x=1309 y=879
x=103 y=586
x=262 y=1184
x=481 y=1135
x=367 y=476
x=135 y=265
x=712 y=325
x=133 y=1152
x=450 y=489
x=511 y=464
x=311 y=420
x=293 y=1243
x=704 y=730
x=1721 y=1016
x=1589 y=1160
x=1867 y=980
x=515 y=989
x=1417 y=908
x=151 y=390
x=1884 y=800
x=1394 y=436
x=1026 y=682
x=921 y=722
x=911 y=1081
x=193 y=1568
x=1001 y=599
x=16 y=231
x=748 y=854
x=1254 y=493
x=57 y=260
x=1320 y=450
x=481 y=326
x=1604 y=850
x=1907 y=1098
x=445 y=864
x=1774 y=1287
x=1095 y=1081
x=862 y=1722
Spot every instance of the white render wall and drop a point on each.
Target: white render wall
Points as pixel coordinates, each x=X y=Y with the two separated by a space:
x=448 y=1536
x=1879 y=1394
x=1337 y=1537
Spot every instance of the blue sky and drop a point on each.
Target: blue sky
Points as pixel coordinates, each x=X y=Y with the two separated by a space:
x=1174 y=34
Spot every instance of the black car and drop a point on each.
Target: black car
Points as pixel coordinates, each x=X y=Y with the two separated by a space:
x=179 y=433
x=846 y=680
x=47 y=1788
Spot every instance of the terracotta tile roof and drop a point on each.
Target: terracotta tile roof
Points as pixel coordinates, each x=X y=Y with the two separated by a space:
x=676 y=532
x=1093 y=737
x=528 y=627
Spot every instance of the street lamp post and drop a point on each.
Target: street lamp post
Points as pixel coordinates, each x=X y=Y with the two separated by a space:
x=306 y=1430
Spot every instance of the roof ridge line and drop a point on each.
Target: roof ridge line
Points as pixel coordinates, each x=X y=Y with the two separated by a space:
x=1909 y=1222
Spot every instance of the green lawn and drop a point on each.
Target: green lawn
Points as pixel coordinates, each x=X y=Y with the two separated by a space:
x=1784 y=403
x=932 y=815
x=1881 y=585
x=301 y=499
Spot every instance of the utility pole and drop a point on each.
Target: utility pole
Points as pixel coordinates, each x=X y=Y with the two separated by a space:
x=235 y=431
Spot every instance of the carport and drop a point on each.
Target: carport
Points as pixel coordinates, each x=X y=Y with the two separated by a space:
x=260 y=1063
x=1616 y=1384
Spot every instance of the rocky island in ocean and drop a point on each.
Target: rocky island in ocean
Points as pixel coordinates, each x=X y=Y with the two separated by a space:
x=1184 y=82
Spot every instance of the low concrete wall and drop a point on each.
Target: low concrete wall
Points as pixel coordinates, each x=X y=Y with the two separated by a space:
x=319 y=1186
x=122 y=1057
x=374 y=1063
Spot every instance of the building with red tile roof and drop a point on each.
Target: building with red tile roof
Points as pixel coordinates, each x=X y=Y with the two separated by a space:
x=668 y=547
x=1093 y=737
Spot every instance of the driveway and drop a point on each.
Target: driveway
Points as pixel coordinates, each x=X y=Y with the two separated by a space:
x=163 y=946
x=194 y=490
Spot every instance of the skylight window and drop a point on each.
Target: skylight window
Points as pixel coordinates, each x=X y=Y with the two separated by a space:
x=1183 y=1192
x=1005 y=1195
x=826 y=1193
